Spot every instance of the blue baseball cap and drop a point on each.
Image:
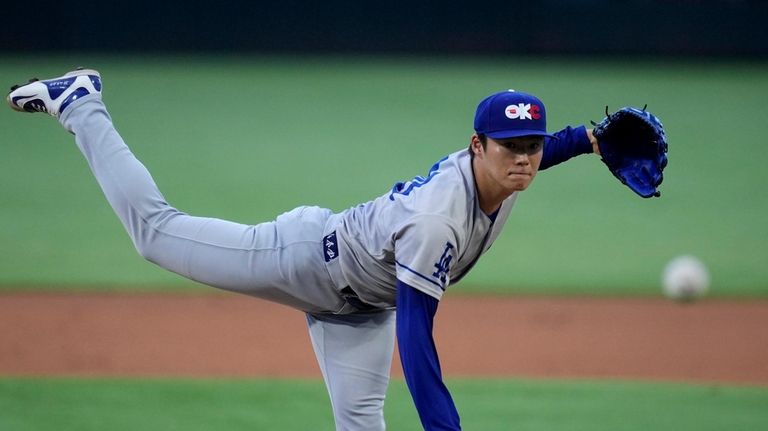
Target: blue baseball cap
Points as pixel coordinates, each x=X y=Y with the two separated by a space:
x=510 y=114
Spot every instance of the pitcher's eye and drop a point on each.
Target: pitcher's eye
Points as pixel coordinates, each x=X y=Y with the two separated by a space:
x=512 y=146
x=529 y=148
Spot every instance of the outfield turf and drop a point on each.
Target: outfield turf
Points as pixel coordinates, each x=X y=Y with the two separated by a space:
x=246 y=138
x=94 y=404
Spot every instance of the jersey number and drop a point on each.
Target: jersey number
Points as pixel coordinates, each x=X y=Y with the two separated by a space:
x=401 y=188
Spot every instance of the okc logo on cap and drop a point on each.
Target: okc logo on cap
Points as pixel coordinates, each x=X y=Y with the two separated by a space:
x=510 y=114
x=523 y=111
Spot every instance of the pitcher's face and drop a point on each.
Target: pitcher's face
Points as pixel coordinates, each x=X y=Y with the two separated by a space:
x=510 y=164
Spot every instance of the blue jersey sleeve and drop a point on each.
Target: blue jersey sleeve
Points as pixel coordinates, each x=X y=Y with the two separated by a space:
x=415 y=315
x=571 y=142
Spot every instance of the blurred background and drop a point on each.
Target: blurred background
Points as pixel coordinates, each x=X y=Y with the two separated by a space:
x=668 y=28
x=243 y=110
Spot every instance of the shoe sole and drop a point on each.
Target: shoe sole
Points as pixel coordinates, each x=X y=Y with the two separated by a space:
x=77 y=72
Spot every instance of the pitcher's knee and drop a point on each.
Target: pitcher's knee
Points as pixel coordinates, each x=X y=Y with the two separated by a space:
x=361 y=413
x=144 y=249
x=146 y=233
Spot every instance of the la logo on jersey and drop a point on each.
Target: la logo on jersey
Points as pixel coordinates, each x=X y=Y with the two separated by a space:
x=443 y=264
x=523 y=111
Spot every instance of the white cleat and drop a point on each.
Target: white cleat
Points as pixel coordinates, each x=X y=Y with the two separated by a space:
x=54 y=95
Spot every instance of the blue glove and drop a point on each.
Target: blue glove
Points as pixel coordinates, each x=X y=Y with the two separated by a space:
x=634 y=147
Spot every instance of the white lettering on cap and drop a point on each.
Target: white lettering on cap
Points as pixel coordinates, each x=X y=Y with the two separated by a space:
x=522 y=111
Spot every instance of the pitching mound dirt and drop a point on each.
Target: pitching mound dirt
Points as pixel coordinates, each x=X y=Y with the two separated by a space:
x=232 y=335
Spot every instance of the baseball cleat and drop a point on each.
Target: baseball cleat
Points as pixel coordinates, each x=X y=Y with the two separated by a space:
x=54 y=95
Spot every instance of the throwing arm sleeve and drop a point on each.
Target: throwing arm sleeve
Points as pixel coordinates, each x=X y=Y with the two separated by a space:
x=415 y=316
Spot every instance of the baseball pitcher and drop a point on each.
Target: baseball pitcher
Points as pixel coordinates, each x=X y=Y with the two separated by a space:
x=349 y=271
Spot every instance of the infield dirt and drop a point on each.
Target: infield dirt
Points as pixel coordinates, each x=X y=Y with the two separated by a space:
x=232 y=335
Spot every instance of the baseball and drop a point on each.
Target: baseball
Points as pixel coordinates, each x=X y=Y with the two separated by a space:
x=685 y=279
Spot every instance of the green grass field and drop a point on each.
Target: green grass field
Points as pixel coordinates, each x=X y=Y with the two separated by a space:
x=67 y=404
x=246 y=138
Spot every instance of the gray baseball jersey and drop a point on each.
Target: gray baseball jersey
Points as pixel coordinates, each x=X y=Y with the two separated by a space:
x=426 y=232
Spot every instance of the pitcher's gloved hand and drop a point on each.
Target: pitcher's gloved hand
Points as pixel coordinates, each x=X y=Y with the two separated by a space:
x=633 y=145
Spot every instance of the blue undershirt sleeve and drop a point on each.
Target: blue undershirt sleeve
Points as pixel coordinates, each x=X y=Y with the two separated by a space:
x=571 y=142
x=415 y=315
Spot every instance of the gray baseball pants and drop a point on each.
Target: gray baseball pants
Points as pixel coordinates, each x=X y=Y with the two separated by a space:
x=280 y=261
